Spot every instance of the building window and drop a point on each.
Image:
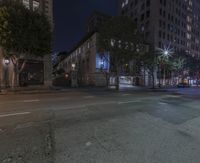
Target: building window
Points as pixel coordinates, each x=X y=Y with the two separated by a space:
x=136 y=21
x=160 y=23
x=142 y=7
x=131 y=5
x=88 y=45
x=131 y=14
x=26 y=3
x=142 y=17
x=160 y=33
x=124 y=3
x=163 y=35
x=36 y=5
x=148 y=14
x=164 y=14
x=160 y=44
x=160 y=11
x=148 y=3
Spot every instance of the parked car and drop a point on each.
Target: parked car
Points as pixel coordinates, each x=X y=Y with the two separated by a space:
x=198 y=82
x=63 y=80
x=183 y=85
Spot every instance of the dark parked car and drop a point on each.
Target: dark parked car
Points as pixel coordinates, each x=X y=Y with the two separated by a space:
x=183 y=85
x=198 y=82
x=62 y=80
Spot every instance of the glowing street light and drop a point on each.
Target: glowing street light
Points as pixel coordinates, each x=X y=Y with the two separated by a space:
x=6 y=61
x=73 y=66
x=166 y=53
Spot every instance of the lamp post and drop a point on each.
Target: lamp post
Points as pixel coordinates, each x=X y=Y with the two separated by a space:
x=164 y=53
x=101 y=65
x=6 y=63
x=73 y=66
x=74 y=76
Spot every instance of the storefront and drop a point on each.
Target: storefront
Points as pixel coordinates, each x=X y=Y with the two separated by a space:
x=32 y=74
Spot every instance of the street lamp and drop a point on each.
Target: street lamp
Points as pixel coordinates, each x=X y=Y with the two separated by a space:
x=101 y=64
x=166 y=53
x=73 y=66
x=6 y=61
x=74 y=82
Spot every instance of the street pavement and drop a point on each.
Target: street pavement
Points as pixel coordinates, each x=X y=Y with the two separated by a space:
x=99 y=126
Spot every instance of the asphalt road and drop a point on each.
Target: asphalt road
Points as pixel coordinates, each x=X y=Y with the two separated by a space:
x=100 y=127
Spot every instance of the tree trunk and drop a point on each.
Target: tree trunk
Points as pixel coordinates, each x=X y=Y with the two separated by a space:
x=160 y=74
x=16 y=71
x=15 y=77
x=153 y=80
x=172 y=78
x=107 y=79
x=117 y=79
x=164 y=76
x=153 y=76
x=144 y=82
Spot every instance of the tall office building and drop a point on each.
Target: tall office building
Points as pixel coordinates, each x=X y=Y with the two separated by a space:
x=96 y=21
x=38 y=71
x=43 y=6
x=166 y=22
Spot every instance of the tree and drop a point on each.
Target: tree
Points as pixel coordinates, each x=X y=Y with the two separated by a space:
x=178 y=64
x=120 y=38
x=23 y=34
x=186 y=65
x=192 y=65
x=150 y=63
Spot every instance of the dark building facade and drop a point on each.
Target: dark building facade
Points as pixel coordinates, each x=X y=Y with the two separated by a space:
x=174 y=23
x=38 y=71
x=84 y=56
x=96 y=20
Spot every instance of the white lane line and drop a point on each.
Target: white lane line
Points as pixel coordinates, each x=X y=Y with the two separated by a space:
x=127 y=102
x=86 y=105
x=13 y=114
x=100 y=103
x=88 y=144
x=173 y=96
x=162 y=103
x=33 y=100
x=27 y=101
x=126 y=94
x=88 y=97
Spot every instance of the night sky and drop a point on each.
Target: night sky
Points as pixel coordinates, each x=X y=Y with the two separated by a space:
x=70 y=17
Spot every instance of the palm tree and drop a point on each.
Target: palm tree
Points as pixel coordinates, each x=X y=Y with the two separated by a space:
x=178 y=65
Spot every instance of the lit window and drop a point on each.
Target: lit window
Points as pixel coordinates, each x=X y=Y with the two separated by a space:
x=26 y=3
x=124 y=3
x=188 y=36
x=88 y=45
x=35 y=5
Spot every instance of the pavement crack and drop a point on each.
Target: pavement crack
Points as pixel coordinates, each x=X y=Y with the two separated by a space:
x=50 y=142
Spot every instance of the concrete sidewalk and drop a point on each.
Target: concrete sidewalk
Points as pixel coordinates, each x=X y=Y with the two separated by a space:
x=44 y=90
x=47 y=90
x=27 y=90
x=193 y=91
